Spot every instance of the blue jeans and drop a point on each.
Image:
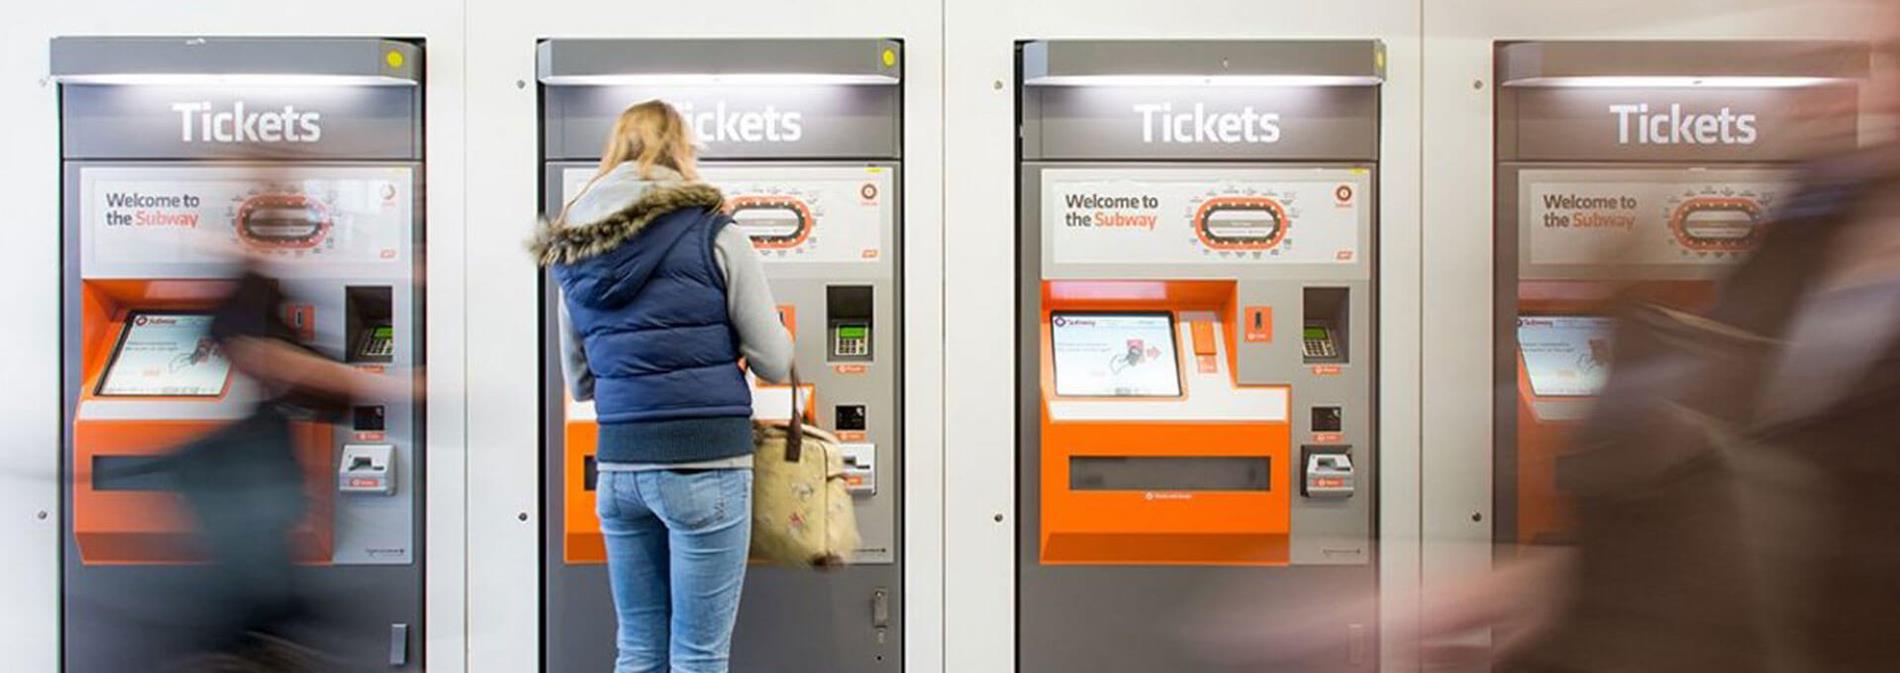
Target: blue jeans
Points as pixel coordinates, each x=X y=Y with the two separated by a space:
x=677 y=543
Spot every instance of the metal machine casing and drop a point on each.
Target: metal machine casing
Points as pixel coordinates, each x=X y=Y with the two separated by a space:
x=1126 y=167
x=173 y=152
x=823 y=203
x=1629 y=170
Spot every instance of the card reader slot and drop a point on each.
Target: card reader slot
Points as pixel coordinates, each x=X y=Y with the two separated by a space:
x=1144 y=473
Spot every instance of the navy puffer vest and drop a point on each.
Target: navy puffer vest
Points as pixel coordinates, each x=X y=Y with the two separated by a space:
x=645 y=294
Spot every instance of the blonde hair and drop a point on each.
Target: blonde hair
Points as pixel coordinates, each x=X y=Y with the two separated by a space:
x=649 y=134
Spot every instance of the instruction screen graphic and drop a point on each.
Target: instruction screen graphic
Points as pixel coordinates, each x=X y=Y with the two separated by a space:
x=167 y=354
x=195 y=215
x=1565 y=356
x=1115 y=355
x=1189 y=216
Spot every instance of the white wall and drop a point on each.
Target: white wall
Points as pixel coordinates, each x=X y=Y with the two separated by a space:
x=979 y=282
x=504 y=391
x=29 y=267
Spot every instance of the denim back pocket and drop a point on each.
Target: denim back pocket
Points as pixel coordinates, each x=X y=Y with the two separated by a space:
x=695 y=499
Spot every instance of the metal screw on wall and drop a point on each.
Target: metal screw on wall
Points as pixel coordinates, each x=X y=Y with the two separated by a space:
x=1477 y=84
x=999 y=518
x=521 y=84
x=522 y=516
x=41 y=515
x=1477 y=517
x=997 y=85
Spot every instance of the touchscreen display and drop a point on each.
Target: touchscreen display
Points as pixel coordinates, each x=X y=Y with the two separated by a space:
x=1565 y=356
x=1115 y=355
x=169 y=354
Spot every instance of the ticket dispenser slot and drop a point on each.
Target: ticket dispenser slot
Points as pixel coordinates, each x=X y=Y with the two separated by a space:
x=1327 y=472
x=367 y=321
x=848 y=323
x=367 y=469
x=1324 y=324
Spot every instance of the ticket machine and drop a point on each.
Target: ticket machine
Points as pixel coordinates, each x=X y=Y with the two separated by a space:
x=176 y=153
x=805 y=139
x=1630 y=170
x=1198 y=341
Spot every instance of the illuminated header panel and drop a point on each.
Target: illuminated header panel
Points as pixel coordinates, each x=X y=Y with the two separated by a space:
x=1685 y=101
x=750 y=99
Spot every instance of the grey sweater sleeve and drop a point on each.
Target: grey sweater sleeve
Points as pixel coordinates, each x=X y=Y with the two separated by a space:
x=580 y=380
x=762 y=338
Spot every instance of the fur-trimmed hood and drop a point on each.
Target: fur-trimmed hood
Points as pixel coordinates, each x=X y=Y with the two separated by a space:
x=614 y=209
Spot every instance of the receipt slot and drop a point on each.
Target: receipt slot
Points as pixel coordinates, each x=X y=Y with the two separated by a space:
x=1639 y=170
x=177 y=152
x=1199 y=239
x=807 y=148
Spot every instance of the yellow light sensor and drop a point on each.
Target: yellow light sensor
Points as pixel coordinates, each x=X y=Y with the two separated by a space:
x=890 y=57
x=393 y=58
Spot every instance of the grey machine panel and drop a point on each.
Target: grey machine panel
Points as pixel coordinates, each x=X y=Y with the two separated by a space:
x=835 y=146
x=1082 y=138
x=123 y=137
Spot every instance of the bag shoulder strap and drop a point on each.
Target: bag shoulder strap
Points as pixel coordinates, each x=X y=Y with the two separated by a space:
x=795 y=426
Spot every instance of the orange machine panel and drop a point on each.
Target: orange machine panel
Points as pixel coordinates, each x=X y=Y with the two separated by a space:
x=1544 y=513
x=1159 y=527
x=153 y=527
x=582 y=543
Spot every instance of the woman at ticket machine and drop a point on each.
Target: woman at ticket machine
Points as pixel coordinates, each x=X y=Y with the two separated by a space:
x=660 y=297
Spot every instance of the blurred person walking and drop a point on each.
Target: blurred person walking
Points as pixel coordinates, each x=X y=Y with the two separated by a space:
x=660 y=299
x=245 y=488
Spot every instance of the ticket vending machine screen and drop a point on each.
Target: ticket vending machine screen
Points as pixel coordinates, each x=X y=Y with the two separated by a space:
x=1115 y=355
x=166 y=354
x=1565 y=356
